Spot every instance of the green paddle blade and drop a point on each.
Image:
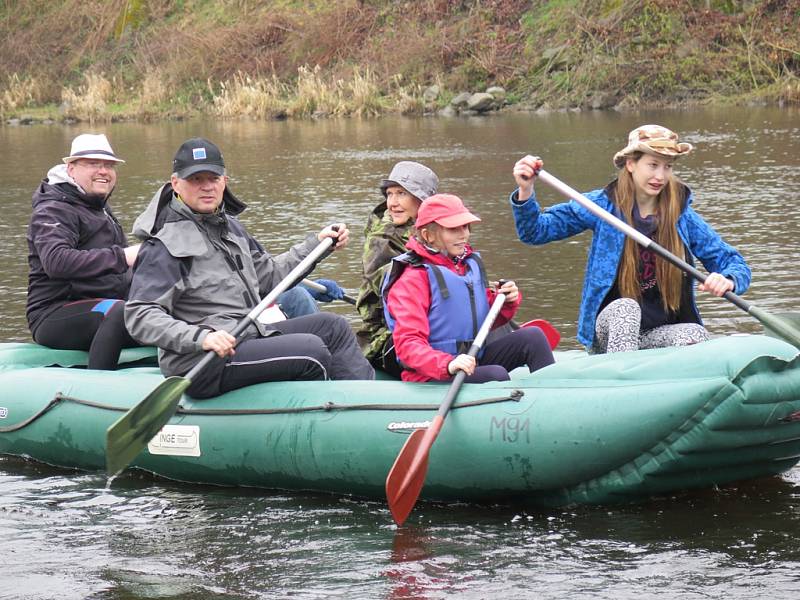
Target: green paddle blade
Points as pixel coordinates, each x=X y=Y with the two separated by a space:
x=129 y=435
x=785 y=326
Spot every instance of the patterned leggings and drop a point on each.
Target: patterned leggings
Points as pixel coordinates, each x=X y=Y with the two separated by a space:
x=618 y=330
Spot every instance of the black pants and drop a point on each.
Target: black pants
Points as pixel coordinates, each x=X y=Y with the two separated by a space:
x=94 y=324
x=526 y=346
x=386 y=361
x=313 y=347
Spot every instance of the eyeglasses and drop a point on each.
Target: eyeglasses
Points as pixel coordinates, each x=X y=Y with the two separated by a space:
x=96 y=165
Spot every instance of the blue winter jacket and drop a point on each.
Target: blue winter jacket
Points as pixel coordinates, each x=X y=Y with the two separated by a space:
x=536 y=226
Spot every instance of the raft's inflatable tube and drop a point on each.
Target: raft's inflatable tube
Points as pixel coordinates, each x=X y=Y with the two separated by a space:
x=588 y=429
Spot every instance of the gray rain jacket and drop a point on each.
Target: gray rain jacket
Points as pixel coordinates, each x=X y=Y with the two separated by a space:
x=197 y=273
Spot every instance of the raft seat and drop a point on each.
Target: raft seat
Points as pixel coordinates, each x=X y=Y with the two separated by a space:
x=27 y=354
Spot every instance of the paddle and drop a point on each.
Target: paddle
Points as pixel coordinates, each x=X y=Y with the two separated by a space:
x=407 y=475
x=787 y=328
x=321 y=288
x=550 y=332
x=129 y=435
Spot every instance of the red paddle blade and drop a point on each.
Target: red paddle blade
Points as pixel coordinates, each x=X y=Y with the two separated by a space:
x=550 y=332
x=407 y=476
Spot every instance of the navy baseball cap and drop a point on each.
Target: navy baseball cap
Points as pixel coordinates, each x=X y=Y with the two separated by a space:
x=195 y=156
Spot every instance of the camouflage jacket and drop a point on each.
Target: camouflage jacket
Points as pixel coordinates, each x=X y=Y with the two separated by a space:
x=384 y=240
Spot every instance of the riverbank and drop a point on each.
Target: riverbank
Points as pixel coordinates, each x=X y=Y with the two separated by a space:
x=145 y=60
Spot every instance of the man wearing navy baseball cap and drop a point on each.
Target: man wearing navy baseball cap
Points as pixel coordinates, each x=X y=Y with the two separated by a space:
x=200 y=272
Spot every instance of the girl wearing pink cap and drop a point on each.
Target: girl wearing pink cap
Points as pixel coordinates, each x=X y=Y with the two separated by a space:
x=436 y=296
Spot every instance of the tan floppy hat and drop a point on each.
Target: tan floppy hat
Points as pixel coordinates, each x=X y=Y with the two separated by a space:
x=652 y=139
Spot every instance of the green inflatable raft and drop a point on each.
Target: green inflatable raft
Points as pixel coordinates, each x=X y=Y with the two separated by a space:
x=588 y=429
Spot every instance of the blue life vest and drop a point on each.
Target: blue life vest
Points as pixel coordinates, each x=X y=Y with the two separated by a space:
x=458 y=302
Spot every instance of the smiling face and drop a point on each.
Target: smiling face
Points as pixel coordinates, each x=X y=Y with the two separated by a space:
x=449 y=240
x=95 y=177
x=401 y=205
x=202 y=192
x=650 y=174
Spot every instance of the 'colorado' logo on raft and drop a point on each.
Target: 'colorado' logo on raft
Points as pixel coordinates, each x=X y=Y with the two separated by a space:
x=3 y=412
x=407 y=425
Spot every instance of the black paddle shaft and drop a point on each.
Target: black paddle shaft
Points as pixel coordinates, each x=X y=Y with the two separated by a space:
x=701 y=277
x=240 y=328
x=477 y=344
x=305 y=265
x=637 y=235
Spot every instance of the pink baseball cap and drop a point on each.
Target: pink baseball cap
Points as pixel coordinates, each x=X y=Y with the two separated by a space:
x=445 y=209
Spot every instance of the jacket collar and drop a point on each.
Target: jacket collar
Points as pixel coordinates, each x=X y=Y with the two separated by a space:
x=436 y=258
x=157 y=213
x=67 y=189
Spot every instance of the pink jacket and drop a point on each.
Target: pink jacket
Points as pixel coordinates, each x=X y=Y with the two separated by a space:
x=409 y=300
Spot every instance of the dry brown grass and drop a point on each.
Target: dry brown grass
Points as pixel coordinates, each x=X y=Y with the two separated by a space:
x=55 y=41
x=154 y=94
x=364 y=94
x=246 y=96
x=19 y=92
x=89 y=101
x=261 y=58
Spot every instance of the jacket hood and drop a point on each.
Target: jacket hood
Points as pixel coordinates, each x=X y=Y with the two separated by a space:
x=59 y=174
x=152 y=220
x=166 y=219
x=436 y=258
x=379 y=211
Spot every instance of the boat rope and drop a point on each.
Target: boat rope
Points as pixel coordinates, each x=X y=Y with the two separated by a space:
x=514 y=396
x=33 y=417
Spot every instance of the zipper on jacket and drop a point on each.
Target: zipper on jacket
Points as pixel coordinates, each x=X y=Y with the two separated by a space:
x=471 y=289
x=250 y=298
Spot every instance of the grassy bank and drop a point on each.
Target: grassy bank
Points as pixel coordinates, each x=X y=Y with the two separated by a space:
x=150 y=59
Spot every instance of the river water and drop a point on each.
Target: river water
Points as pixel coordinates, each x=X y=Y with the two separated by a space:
x=70 y=535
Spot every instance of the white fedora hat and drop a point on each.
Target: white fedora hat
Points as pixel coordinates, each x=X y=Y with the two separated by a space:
x=90 y=145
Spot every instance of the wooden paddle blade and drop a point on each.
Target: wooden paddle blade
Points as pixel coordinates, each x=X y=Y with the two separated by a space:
x=129 y=435
x=551 y=333
x=407 y=476
x=785 y=326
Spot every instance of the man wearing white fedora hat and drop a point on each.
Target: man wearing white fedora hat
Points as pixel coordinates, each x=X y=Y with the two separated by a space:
x=78 y=258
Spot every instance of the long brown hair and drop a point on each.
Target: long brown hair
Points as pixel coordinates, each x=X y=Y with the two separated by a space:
x=669 y=205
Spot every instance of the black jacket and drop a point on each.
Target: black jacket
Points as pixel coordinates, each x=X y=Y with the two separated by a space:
x=75 y=248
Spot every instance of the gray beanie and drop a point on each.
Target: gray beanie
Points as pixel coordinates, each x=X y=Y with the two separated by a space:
x=418 y=180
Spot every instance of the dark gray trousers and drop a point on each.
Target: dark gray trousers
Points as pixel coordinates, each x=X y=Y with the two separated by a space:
x=313 y=347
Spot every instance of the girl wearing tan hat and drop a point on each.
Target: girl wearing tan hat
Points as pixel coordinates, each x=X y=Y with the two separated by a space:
x=633 y=299
x=436 y=296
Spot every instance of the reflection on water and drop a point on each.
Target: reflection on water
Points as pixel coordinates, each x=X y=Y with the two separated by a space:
x=64 y=535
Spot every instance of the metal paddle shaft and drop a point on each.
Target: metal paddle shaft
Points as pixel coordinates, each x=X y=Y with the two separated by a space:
x=129 y=435
x=321 y=288
x=780 y=326
x=407 y=475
